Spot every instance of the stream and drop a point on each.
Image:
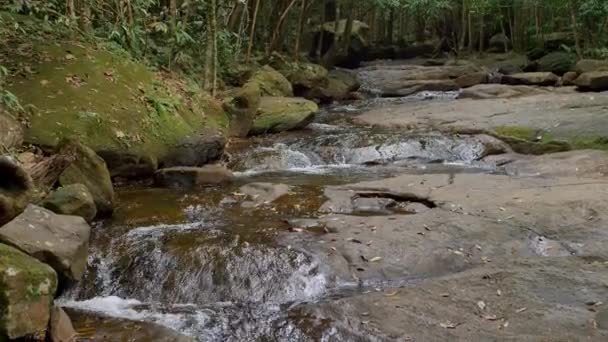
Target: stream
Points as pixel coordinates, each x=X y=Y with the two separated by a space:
x=203 y=264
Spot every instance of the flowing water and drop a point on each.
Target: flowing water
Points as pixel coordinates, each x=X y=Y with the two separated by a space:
x=201 y=263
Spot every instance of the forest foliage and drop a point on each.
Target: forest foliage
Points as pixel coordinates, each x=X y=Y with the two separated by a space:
x=210 y=37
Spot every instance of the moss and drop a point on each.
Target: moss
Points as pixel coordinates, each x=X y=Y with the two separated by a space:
x=39 y=280
x=531 y=141
x=596 y=143
x=103 y=98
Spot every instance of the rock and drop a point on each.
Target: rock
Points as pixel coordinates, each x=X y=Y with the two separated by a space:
x=11 y=133
x=579 y=163
x=470 y=80
x=191 y=177
x=90 y=170
x=242 y=104
x=531 y=78
x=111 y=329
x=129 y=165
x=338 y=87
x=73 y=199
x=415 y=86
x=16 y=189
x=588 y=65
x=488 y=91
x=272 y=82
x=262 y=193
x=61 y=329
x=61 y=241
x=27 y=288
x=556 y=40
x=305 y=76
x=558 y=63
x=568 y=78
x=196 y=150
x=507 y=68
x=346 y=77
x=278 y=114
x=499 y=42
x=536 y=53
x=594 y=80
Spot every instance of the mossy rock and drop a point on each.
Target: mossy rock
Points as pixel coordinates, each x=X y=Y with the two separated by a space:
x=17 y=189
x=74 y=199
x=90 y=170
x=589 y=65
x=104 y=99
x=558 y=63
x=305 y=75
x=27 y=289
x=272 y=82
x=530 y=141
x=242 y=104
x=278 y=114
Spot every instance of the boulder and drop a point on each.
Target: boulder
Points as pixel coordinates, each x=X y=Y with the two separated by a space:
x=304 y=76
x=470 y=80
x=499 y=43
x=531 y=78
x=27 y=289
x=568 y=78
x=192 y=177
x=415 y=86
x=588 y=65
x=196 y=150
x=507 y=68
x=242 y=104
x=278 y=114
x=73 y=199
x=262 y=193
x=11 y=133
x=60 y=326
x=129 y=165
x=536 y=53
x=346 y=77
x=16 y=189
x=272 y=82
x=90 y=170
x=558 y=63
x=60 y=241
x=490 y=91
x=594 y=80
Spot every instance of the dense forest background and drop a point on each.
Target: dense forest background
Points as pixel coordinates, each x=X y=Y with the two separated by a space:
x=209 y=38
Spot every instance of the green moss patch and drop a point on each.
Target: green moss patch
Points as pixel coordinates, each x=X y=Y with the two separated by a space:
x=73 y=89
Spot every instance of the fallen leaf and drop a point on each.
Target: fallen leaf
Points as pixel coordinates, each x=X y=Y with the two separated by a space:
x=481 y=305
x=375 y=259
x=458 y=253
x=499 y=293
x=69 y=57
x=505 y=324
x=490 y=317
x=445 y=295
x=44 y=82
x=521 y=310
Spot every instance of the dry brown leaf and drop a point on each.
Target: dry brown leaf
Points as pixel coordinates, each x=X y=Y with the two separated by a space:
x=448 y=325
x=375 y=259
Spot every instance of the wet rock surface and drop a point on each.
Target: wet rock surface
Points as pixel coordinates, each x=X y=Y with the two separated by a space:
x=426 y=226
x=61 y=241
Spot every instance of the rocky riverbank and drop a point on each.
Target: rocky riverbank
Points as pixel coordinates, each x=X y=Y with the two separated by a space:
x=442 y=199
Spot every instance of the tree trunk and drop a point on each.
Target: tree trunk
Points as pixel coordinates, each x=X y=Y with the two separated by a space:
x=470 y=20
x=71 y=9
x=321 y=31
x=463 y=25
x=577 y=42
x=481 y=33
x=173 y=14
x=214 y=31
x=252 y=33
x=85 y=16
x=504 y=33
x=391 y=26
x=349 y=26
x=296 y=52
x=277 y=29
